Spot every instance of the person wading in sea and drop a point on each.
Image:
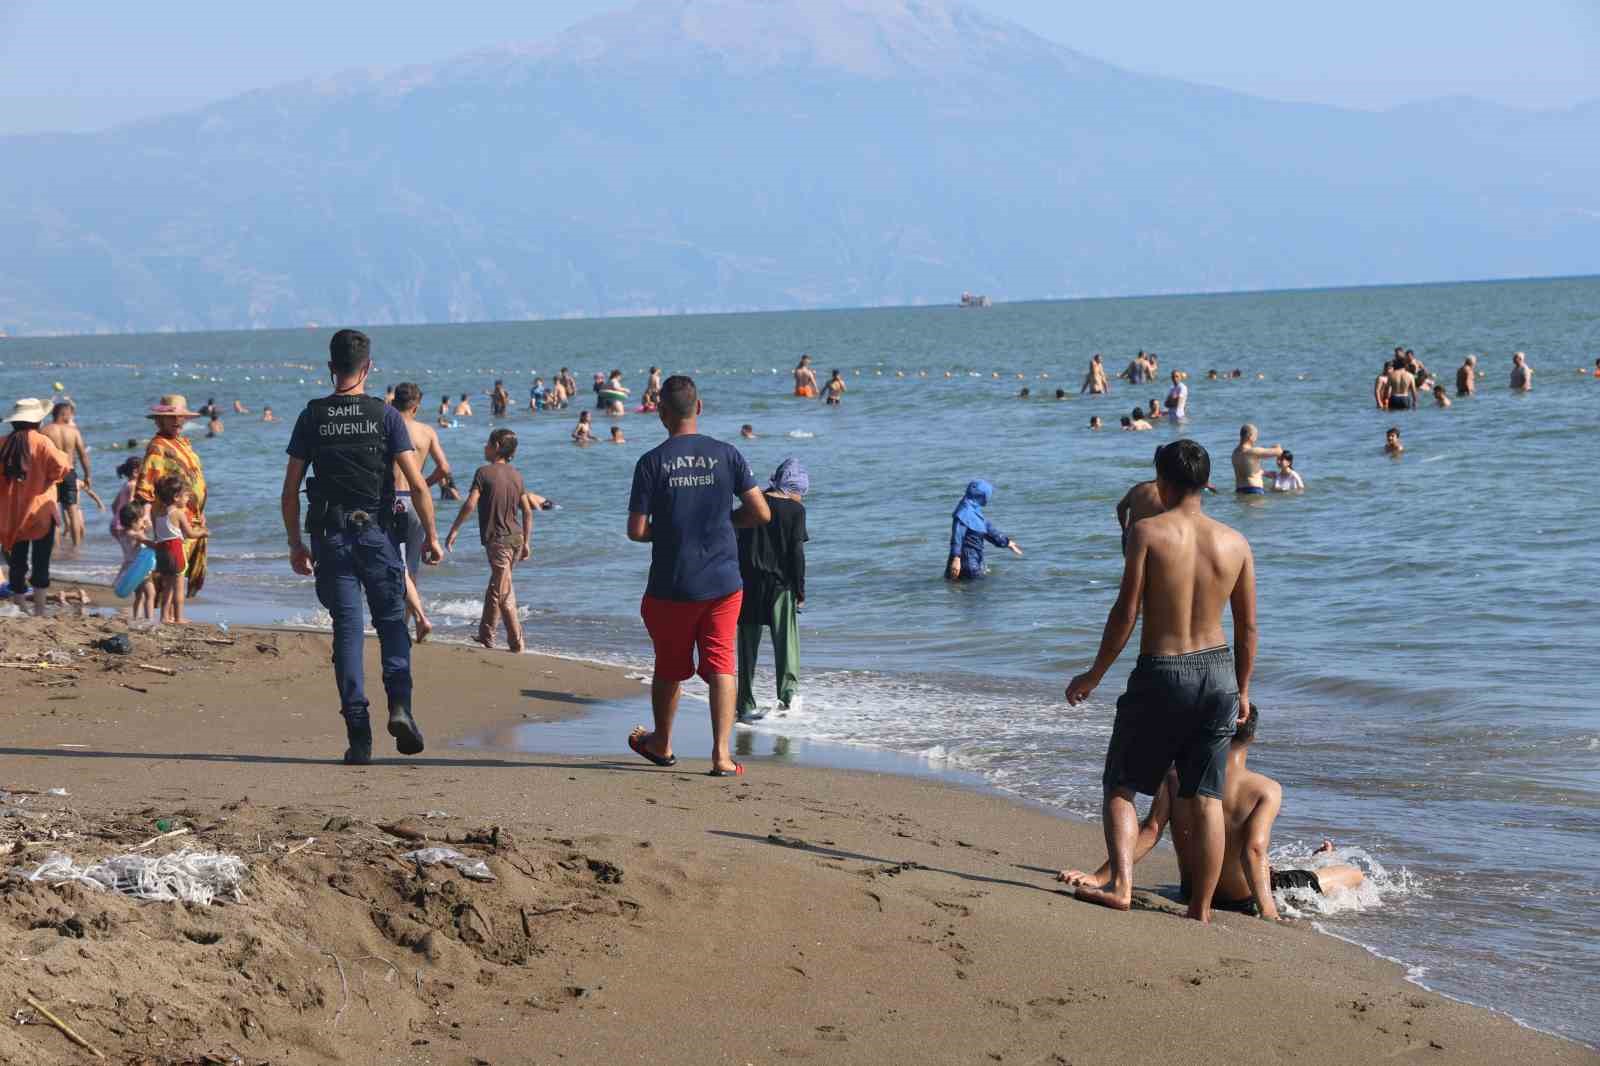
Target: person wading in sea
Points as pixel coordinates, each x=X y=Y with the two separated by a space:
x=1184 y=696
x=353 y=444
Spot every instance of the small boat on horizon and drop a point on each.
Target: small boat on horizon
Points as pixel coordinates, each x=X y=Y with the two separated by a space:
x=973 y=299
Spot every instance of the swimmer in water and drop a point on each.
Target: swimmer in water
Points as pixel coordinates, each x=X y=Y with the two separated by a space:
x=833 y=392
x=1095 y=382
x=970 y=530
x=1287 y=479
x=1024 y=393
x=1521 y=373
x=1094 y=422
x=1141 y=501
x=1247 y=480
x=1136 y=421
x=583 y=433
x=1467 y=377
x=1061 y=394
x=1154 y=414
x=1391 y=442
x=214 y=426
x=1439 y=398
x=1178 y=398
x=747 y=431
x=267 y=415
x=239 y=408
x=805 y=379
x=1402 y=391
x=444 y=412
x=616 y=435
x=464 y=408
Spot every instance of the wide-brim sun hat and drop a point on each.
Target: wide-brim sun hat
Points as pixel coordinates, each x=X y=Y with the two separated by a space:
x=175 y=405
x=29 y=410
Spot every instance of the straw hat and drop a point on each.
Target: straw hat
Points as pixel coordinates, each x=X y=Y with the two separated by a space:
x=174 y=406
x=28 y=410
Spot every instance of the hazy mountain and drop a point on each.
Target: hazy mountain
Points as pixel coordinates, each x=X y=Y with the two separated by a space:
x=722 y=154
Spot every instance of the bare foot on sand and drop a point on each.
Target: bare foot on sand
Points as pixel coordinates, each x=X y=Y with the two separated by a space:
x=1103 y=898
x=487 y=642
x=1075 y=877
x=424 y=627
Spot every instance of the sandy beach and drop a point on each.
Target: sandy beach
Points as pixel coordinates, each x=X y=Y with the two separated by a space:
x=636 y=915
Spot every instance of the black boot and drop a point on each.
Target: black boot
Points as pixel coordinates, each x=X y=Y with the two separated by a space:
x=407 y=737
x=358 y=728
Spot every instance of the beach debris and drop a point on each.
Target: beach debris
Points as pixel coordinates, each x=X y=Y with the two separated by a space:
x=476 y=869
x=66 y=1030
x=180 y=877
x=165 y=671
x=403 y=830
x=162 y=836
x=118 y=644
x=57 y=792
x=786 y=842
x=607 y=873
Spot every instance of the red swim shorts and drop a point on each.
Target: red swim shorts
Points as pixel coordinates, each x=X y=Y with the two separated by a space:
x=677 y=627
x=170 y=559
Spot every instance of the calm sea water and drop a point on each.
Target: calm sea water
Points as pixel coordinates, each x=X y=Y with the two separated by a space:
x=1428 y=626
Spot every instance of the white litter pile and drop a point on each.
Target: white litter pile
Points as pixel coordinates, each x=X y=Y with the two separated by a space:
x=181 y=877
x=476 y=869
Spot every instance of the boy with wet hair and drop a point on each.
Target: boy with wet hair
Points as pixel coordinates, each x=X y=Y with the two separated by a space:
x=1184 y=696
x=500 y=498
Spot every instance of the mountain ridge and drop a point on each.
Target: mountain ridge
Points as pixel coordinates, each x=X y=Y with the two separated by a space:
x=751 y=154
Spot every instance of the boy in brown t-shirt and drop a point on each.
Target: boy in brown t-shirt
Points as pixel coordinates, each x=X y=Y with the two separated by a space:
x=499 y=496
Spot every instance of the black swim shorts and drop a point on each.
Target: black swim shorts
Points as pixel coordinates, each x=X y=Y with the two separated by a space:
x=1179 y=709
x=1399 y=403
x=1285 y=879
x=67 y=491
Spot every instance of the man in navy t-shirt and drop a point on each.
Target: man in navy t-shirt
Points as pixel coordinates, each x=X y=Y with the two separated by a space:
x=682 y=506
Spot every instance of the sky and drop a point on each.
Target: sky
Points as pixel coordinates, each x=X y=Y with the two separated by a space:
x=90 y=64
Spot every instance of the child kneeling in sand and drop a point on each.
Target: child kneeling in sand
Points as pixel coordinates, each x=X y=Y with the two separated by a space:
x=500 y=497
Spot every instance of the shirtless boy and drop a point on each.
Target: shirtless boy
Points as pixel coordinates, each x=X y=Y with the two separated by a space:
x=1391 y=442
x=408 y=528
x=62 y=430
x=1139 y=502
x=1184 y=695
x=1095 y=382
x=1247 y=458
x=1250 y=805
x=1467 y=377
x=1402 y=392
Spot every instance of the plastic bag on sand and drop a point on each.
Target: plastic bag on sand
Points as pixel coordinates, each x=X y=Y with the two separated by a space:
x=476 y=869
x=181 y=877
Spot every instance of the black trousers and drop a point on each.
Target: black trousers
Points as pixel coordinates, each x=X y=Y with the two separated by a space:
x=36 y=551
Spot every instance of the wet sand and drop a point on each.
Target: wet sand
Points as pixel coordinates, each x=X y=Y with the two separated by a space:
x=638 y=914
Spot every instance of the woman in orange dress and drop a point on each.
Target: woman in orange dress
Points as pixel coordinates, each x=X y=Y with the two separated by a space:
x=30 y=469
x=170 y=452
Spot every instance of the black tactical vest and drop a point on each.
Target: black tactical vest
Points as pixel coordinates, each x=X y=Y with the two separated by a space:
x=349 y=453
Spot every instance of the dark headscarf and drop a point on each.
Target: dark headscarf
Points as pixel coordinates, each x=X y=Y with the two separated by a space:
x=790 y=477
x=970 y=511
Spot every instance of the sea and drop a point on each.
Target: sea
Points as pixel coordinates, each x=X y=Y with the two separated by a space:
x=1428 y=624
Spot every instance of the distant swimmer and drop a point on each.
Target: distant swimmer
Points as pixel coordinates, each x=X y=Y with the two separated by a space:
x=1597 y=368
x=970 y=529
x=444 y=412
x=583 y=433
x=239 y=408
x=1095 y=382
x=1154 y=413
x=1061 y=394
x=1287 y=479
x=615 y=394
x=1189 y=691
x=1439 y=398
x=1139 y=371
x=1250 y=806
x=463 y=407
x=1141 y=501
x=805 y=379
x=616 y=435
x=747 y=431
x=653 y=383
x=537 y=396
x=1247 y=458
x=1212 y=375
x=1391 y=442
x=1024 y=393
x=1094 y=422
x=267 y=415
x=499 y=400
x=1136 y=421
x=214 y=424
x=1402 y=391
x=1178 y=398
x=1521 y=373
x=833 y=392
x=1467 y=376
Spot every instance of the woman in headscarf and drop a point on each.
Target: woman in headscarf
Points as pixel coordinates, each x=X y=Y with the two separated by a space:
x=170 y=452
x=772 y=561
x=30 y=469
x=969 y=529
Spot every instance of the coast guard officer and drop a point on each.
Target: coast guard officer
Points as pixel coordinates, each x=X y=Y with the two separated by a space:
x=352 y=443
